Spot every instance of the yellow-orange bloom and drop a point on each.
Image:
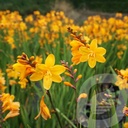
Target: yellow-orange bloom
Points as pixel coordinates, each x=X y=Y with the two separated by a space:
x=23 y=70
x=125 y=111
x=92 y=54
x=124 y=73
x=44 y=111
x=23 y=83
x=48 y=72
x=75 y=51
x=121 y=83
x=8 y=104
x=125 y=125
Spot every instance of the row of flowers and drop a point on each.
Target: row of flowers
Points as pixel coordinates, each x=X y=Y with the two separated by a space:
x=56 y=35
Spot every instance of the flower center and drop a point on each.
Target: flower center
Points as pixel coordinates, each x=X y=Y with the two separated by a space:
x=48 y=73
x=92 y=54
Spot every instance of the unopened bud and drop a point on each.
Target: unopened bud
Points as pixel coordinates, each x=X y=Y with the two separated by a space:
x=68 y=74
x=24 y=62
x=70 y=85
x=75 y=70
x=82 y=95
x=78 y=77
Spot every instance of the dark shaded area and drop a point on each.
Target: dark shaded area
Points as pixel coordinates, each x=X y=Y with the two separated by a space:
x=102 y=5
x=28 y=6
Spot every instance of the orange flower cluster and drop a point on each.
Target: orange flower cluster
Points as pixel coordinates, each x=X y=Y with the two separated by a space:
x=8 y=104
x=122 y=79
x=2 y=82
x=82 y=51
x=44 y=111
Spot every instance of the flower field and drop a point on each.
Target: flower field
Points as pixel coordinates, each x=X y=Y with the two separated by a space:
x=55 y=73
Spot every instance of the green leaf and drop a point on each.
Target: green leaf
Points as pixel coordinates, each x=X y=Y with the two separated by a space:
x=24 y=116
x=92 y=118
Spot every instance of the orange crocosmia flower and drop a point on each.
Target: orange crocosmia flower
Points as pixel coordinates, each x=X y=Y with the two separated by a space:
x=23 y=70
x=125 y=111
x=48 y=72
x=76 y=57
x=124 y=73
x=23 y=83
x=11 y=114
x=44 y=111
x=75 y=45
x=75 y=51
x=92 y=54
x=121 y=83
x=9 y=105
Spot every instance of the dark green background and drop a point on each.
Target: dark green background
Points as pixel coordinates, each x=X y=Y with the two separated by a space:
x=28 y=6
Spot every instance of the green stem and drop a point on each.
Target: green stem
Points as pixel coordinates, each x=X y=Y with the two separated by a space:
x=56 y=113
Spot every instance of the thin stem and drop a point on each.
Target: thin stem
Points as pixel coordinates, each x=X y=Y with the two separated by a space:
x=56 y=113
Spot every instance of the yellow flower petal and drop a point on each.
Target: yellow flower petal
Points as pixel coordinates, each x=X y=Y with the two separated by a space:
x=100 y=51
x=84 y=50
x=92 y=62
x=47 y=82
x=76 y=43
x=100 y=58
x=84 y=58
x=50 y=60
x=44 y=111
x=36 y=76
x=57 y=69
x=93 y=45
x=41 y=67
x=11 y=114
x=56 y=78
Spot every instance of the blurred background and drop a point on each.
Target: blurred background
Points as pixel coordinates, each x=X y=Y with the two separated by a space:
x=76 y=9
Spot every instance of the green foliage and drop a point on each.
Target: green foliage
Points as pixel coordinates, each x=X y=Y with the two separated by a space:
x=102 y=5
x=26 y=7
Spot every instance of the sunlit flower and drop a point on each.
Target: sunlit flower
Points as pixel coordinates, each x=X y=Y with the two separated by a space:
x=9 y=105
x=75 y=51
x=121 y=82
x=23 y=83
x=44 y=111
x=125 y=111
x=23 y=70
x=93 y=54
x=124 y=73
x=48 y=72
x=11 y=114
